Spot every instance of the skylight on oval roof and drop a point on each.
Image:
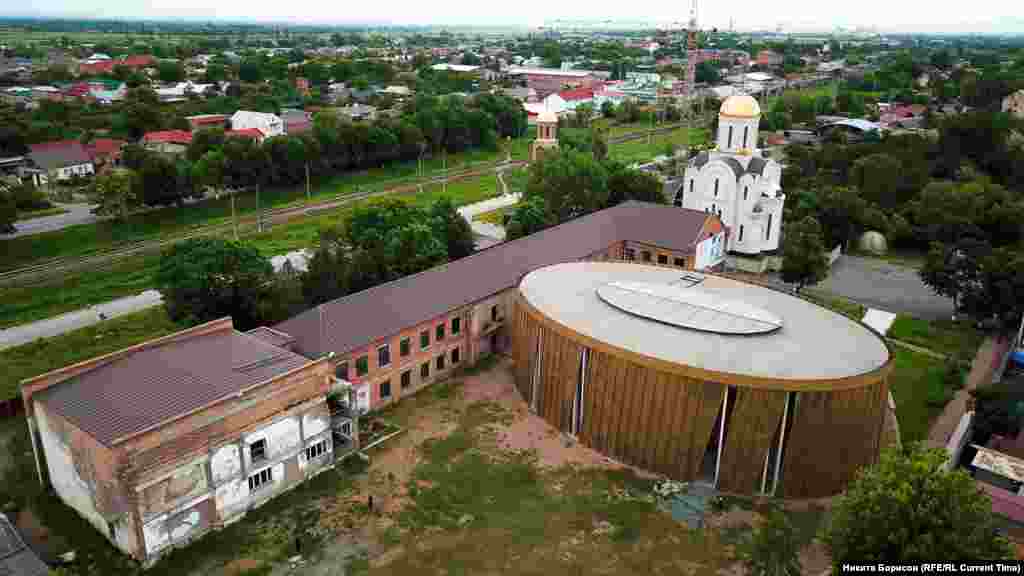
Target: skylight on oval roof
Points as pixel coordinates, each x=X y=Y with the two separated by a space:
x=688 y=308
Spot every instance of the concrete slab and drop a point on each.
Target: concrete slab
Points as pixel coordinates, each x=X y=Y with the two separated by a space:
x=880 y=320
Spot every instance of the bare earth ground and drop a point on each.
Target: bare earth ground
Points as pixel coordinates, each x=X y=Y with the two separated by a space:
x=574 y=541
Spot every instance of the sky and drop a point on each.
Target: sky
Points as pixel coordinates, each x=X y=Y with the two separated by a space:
x=992 y=16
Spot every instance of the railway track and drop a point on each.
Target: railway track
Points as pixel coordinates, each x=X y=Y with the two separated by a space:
x=46 y=270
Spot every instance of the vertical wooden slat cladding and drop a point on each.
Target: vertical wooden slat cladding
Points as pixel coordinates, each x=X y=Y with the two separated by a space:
x=702 y=401
x=834 y=435
x=652 y=415
x=755 y=418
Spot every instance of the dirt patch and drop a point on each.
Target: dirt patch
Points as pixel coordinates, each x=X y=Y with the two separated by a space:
x=734 y=518
x=241 y=566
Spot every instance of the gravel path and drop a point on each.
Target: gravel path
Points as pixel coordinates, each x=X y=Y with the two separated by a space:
x=76 y=214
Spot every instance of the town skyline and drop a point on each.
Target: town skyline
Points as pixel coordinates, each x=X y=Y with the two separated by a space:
x=789 y=17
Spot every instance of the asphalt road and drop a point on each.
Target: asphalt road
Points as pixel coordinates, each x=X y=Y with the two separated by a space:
x=886 y=286
x=76 y=214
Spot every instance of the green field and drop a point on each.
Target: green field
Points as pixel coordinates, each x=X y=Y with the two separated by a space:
x=942 y=336
x=919 y=391
x=30 y=303
x=48 y=354
x=640 y=150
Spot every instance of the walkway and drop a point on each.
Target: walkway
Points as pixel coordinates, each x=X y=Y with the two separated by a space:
x=79 y=319
x=76 y=214
x=485 y=228
x=986 y=361
x=58 y=325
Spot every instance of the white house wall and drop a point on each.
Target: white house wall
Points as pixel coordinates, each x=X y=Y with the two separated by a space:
x=282 y=438
x=225 y=464
x=313 y=423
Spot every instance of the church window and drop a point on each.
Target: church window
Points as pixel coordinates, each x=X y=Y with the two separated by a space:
x=746 y=190
x=768 y=230
x=746 y=130
x=729 y=145
x=716 y=187
x=741 y=233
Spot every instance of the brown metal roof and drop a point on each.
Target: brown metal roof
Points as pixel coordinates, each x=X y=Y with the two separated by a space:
x=271 y=336
x=359 y=319
x=164 y=382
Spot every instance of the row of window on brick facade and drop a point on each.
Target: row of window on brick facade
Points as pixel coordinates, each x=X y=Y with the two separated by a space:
x=405 y=380
x=404 y=349
x=646 y=256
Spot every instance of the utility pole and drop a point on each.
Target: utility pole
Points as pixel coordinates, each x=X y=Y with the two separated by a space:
x=234 y=220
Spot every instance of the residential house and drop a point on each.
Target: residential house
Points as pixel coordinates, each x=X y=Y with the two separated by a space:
x=608 y=94
x=180 y=91
x=391 y=340
x=769 y=58
x=337 y=91
x=47 y=93
x=397 y=91
x=104 y=152
x=302 y=85
x=461 y=68
x=296 y=121
x=205 y=121
x=171 y=142
x=60 y=161
x=253 y=134
x=269 y=124
x=159 y=443
x=358 y=112
x=16 y=95
x=576 y=97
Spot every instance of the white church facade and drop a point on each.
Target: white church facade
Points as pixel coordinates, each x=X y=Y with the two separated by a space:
x=736 y=182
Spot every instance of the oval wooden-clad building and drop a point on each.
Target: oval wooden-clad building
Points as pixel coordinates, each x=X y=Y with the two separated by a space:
x=702 y=377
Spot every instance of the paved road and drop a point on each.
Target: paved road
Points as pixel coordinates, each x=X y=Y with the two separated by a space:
x=78 y=319
x=885 y=286
x=76 y=214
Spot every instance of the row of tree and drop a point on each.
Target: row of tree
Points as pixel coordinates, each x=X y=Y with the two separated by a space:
x=334 y=145
x=208 y=278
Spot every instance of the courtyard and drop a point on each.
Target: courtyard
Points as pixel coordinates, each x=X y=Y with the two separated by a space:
x=475 y=484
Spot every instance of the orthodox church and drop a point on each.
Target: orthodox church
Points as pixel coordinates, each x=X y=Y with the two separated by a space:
x=736 y=182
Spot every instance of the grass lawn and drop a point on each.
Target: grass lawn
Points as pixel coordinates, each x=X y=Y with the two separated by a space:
x=47 y=354
x=22 y=216
x=942 y=336
x=641 y=151
x=496 y=217
x=847 y=308
x=918 y=387
x=87 y=239
x=133 y=275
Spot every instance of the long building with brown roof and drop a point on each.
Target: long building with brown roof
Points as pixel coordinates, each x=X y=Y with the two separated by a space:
x=392 y=339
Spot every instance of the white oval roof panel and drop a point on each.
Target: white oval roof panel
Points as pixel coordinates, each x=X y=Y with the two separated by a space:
x=688 y=308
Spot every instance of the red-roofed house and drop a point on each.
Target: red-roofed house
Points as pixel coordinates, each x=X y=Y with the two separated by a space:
x=251 y=133
x=204 y=121
x=577 y=96
x=61 y=160
x=79 y=90
x=167 y=141
x=96 y=68
x=139 y=61
x=105 y=152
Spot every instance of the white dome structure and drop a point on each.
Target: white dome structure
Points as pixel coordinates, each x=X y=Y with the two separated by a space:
x=736 y=182
x=874 y=242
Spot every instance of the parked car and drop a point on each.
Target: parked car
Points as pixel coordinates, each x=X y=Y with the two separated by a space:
x=16 y=558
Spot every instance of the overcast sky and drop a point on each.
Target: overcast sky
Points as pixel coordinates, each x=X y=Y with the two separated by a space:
x=996 y=16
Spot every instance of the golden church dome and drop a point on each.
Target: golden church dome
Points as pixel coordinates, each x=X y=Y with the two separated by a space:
x=740 y=106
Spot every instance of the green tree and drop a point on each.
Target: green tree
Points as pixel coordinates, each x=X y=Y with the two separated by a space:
x=626 y=183
x=8 y=210
x=529 y=216
x=774 y=549
x=707 y=72
x=877 y=177
x=608 y=109
x=986 y=283
x=908 y=509
x=571 y=183
x=329 y=270
x=114 y=193
x=453 y=228
x=803 y=254
x=202 y=279
x=171 y=72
